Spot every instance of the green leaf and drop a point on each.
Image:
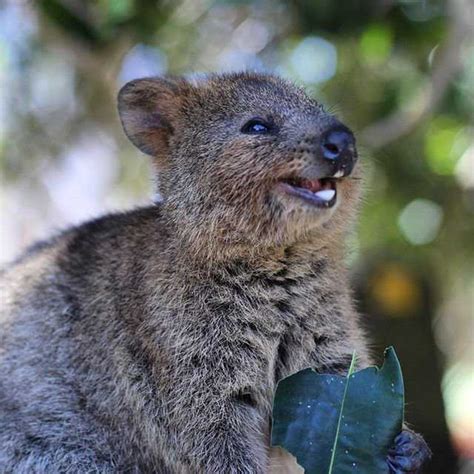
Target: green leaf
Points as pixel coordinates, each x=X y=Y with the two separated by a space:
x=335 y=424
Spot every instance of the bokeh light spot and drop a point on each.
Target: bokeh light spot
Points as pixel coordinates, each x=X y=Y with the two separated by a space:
x=465 y=169
x=251 y=36
x=314 y=60
x=376 y=43
x=458 y=393
x=119 y=10
x=395 y=291
x=420 y=221
x=445 y=141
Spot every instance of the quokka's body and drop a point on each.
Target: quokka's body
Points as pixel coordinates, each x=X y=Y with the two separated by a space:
x=152 y=341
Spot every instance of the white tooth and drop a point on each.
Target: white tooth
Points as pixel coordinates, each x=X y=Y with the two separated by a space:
x=339 y=174
x=326 y=194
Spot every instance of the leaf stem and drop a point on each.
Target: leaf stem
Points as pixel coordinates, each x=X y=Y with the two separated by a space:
x=333 y=454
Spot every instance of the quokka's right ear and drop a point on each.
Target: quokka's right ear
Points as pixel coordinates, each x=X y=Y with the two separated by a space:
x=149 y=109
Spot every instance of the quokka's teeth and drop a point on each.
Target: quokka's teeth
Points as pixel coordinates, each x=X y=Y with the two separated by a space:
x=326 y=194
x=339 y=174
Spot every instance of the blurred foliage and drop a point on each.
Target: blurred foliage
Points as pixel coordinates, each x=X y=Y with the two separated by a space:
x=400 y=73
x=98 y=22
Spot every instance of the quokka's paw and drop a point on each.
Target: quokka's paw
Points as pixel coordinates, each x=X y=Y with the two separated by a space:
x=409 y=454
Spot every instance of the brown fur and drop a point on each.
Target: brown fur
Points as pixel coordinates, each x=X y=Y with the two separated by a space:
x=151 y=341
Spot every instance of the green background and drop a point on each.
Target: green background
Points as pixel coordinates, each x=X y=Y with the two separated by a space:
x=399 y=73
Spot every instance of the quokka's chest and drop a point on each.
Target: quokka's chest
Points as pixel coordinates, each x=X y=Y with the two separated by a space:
x=287 y=317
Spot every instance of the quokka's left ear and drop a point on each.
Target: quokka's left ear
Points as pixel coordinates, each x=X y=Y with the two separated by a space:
x=149 y=109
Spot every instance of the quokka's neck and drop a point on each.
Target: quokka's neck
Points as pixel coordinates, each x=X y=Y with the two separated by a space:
x=290 y=261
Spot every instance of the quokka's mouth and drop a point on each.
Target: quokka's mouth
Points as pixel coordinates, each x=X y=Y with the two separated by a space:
x=318 y=192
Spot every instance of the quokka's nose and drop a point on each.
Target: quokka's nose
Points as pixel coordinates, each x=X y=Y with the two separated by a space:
x=336 y=143
x=338 y=147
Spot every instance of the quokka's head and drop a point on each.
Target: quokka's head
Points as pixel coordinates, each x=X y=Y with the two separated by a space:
x=244 y=159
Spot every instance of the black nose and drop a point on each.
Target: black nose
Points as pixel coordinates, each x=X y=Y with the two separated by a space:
x=337 y=148
x=338 y=145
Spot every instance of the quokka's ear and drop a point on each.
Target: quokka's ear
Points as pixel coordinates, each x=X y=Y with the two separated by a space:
x=149 y=109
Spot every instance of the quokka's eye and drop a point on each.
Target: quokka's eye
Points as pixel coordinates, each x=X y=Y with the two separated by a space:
x=256 y=126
